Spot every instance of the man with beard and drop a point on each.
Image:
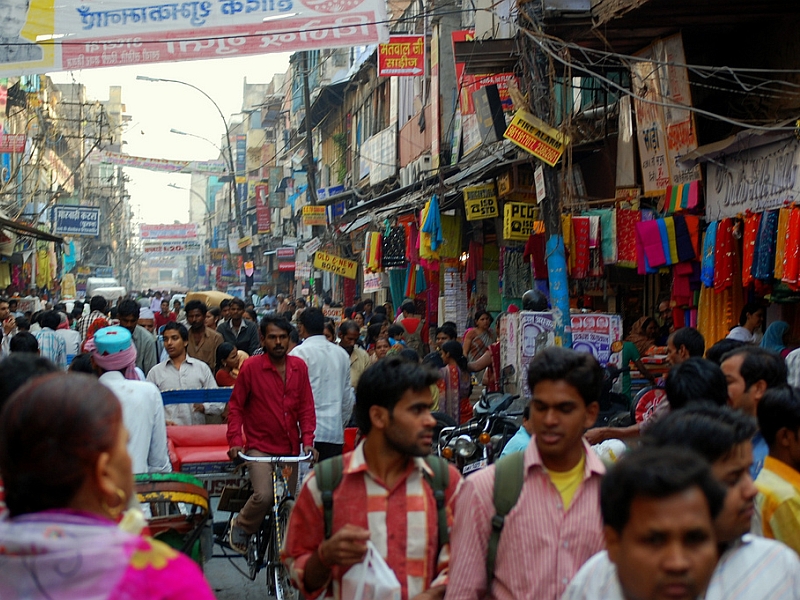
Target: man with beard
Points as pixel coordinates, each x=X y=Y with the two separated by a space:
x=203 y=342
x=272 y=407
x=129 y=314
x=359 y=359
x=384 y=493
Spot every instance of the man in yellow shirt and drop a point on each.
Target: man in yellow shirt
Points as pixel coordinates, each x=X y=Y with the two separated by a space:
x=778 y=483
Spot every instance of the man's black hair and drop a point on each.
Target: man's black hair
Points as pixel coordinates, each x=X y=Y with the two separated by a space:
x=385 y=382
x=98 y=303
x=579 y=369
x=721 y=348
x=408 y=307
x=24 y=342
x=749 y=309
x=451 y=324
x=760 y=363
x=179 y=327
x=237 y=302
x=655 y=473
x=448 y=331
x=19 y=368
x=82 y=363
x=294 y=335
x=275 y=320
x=313 y=320
x=691 y=339
x=12 y=302
x=128 y=308
x=377 y=319
x=380 y=310
x=368 y=301
x=23 y=324
x=696 y=380
x=396 y=330
x=224 y=303
x=410 y=355
x=50 y=319
x=526 y=412
x=348 y=326
x=779 y=408
x=196 y=305
x=711 y=431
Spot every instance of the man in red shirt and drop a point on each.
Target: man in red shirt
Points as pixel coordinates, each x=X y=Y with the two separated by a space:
x=164 y=316
x=272 y=405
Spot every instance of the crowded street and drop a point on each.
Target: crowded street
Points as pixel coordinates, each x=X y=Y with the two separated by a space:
x=368 y=300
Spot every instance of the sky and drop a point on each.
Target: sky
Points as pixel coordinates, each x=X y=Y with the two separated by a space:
x=155 y=108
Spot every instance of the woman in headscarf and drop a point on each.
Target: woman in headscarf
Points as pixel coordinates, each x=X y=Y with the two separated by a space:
x=68 y=479
x=455 y=386
x=774 y=338
x=643 y=334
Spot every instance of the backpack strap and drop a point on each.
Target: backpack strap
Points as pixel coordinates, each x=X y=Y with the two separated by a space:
x=329 y=476
x=508 y=480
x=439 y=482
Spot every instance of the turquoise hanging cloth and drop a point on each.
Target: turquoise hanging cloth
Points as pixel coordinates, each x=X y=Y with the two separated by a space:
x=422 y=285
x=433 y=224
x=397 y=286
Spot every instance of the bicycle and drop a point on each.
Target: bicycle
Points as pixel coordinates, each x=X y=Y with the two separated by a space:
x=264 y=549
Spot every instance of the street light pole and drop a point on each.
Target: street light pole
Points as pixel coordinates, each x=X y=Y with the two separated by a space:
x=233 y=190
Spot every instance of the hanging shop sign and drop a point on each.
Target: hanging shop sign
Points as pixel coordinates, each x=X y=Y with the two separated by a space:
x=372 y=283
x=185 y=248
x=314 y=215
x=302 y=270
x=519 y=221
x=114 y=33
x=336 y=314
x=312 y=245
x=244 y=242
x=13 y=143
x=161 y=165
x=403 y=56
x=77 y=220
x=480 y=202
x=335 y=264
x=175 y=231
x=537 y=137
x=263 y=216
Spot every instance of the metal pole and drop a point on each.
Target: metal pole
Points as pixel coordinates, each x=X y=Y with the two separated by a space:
x=310 y=165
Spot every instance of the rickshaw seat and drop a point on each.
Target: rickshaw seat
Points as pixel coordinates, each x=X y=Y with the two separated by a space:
x=197 y=444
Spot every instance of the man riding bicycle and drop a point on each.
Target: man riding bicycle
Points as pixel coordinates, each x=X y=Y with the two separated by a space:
x=272 y=407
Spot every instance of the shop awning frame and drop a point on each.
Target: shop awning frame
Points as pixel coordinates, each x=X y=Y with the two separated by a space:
x=27 y=230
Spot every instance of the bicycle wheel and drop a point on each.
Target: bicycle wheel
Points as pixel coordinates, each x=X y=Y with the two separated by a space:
x=256 y=550
x=280 y=574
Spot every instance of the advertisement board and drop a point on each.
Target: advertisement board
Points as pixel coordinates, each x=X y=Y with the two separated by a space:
x=314 y=215
x=76 y=220
x=519 y=221
x=402 y=56
x=106 y=33
x=335 y=264
x=263 y=216
x=480 y=202
x=173 y=231
x=537 y=137
x=158 y=248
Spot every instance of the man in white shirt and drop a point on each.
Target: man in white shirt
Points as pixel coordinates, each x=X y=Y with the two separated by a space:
x=51 y=346
x=749 y=567
x=113 y=358
x=71 y=338
x=182 y=372
x=329 y=373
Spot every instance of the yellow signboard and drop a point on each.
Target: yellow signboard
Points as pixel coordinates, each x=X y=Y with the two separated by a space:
x=480 y=202
x=314 y=215
x=335 y=264
x=519 y=221
x=244 y=242
x=537 y=137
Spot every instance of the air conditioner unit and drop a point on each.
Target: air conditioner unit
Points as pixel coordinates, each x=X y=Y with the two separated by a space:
x=405 y=175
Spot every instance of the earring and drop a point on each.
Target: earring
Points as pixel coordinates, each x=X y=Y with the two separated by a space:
x=115 y=511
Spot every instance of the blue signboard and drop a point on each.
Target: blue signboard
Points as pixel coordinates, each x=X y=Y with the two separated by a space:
x=76 y=220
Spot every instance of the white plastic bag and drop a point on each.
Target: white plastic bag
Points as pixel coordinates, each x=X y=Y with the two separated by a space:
x=371 y=579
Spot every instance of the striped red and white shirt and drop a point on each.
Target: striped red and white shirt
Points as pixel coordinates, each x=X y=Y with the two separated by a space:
x=542 y=546
x=402 y=521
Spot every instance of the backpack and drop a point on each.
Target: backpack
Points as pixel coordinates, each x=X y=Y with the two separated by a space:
x=329 y=476
x=510 y=471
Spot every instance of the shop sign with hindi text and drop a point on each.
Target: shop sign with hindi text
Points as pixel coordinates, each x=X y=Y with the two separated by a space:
x=314 y=215
x=403 y=56
x=537 y=137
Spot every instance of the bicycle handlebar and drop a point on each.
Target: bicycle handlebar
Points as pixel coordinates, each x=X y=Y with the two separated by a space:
x=275 y=459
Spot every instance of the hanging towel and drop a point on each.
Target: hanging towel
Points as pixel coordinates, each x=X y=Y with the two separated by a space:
x=683 y=239
x=580 y=230
x=724 y=258
x=709 y=245
x=626 y=237
x=780 y=243
x=751 y=225
x=649 y=236
x=764 y=259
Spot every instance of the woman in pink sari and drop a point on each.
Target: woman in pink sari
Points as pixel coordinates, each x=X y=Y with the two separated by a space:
x=67 y=476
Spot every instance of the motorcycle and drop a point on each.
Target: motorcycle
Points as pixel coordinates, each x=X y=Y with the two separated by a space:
x=477 y=443
x=614 y=409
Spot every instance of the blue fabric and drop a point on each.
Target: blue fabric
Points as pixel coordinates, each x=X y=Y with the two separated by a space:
x=760 y=452
x=764 y=251
x=773 y=336
x=662 y=232
x=433 y=224
x=518 y=443
x=709 y=245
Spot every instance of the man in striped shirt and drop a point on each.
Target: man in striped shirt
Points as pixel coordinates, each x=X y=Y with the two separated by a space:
x=555 y=525
x=749 y=567
x=383 y=495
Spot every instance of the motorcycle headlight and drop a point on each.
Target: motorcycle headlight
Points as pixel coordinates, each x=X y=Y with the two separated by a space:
x=465 y=447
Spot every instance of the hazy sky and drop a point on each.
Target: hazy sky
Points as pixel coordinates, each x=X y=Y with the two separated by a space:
x=155 y=108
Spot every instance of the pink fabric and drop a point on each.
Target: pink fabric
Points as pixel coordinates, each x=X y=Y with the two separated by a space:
x=648 y=235
x=115 y=362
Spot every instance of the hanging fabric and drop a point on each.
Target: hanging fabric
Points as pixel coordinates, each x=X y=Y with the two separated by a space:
x=409 y=223
x=649 y=236
x=569 y=241
x=608 y=233
x=432 y=224
x=764 y=259
x=580 y=230
x=693 y=225
x=474 y=261
x=516 y=278
x=394 y=248
x=709 y=245
x=626 y=237
x=724 y=256
x=397 y=284
x=683 y=239
x=780 y=241
x=751 y=225
x=791 y=269
x=535 y=252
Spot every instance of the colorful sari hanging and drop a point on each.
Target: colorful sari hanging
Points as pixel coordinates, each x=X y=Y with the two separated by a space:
x=751 y=225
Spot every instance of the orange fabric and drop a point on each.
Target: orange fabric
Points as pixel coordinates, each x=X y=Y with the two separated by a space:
x=751 y=224
x=780 y=244
x=791 y=269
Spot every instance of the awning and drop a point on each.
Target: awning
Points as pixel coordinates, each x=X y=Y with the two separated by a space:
x=27 y=230
x=744 y=140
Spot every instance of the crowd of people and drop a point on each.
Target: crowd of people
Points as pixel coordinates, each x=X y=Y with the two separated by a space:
x=704 y=503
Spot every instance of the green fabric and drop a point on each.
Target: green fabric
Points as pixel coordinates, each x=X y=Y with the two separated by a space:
x=630 y=353
x=509 y=476
x=607 y=239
